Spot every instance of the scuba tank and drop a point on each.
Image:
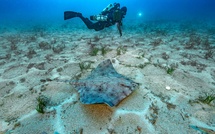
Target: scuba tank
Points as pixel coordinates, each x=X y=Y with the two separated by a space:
x=111 y=7
x=114 y=9
x=108 y=7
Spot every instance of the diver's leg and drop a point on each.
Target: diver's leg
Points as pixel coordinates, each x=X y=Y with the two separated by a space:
x=96 y=26
x=99 y=26
x=87 y=22
x=90 y=25
x=71 y=14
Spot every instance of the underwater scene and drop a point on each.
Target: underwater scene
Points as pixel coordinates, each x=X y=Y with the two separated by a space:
x=107 y=67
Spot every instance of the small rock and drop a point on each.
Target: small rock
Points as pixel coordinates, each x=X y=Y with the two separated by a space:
x=58 y=48
x=42 y=80
x=44 y=45
x=20 y=96
x=48 y=79
x=59 y=69
x=18 y=124
x=22 y=80
x=43 y=88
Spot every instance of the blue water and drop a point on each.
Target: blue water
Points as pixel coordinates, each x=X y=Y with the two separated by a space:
x=27 y=12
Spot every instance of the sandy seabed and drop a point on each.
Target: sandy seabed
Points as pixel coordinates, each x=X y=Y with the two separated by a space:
x=174 y=62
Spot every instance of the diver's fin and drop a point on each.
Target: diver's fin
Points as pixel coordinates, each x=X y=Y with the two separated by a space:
x=71 y=14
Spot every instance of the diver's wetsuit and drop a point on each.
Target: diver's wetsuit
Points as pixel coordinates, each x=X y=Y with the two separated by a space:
x=97 y=25
x=108 y=11
x=113 y=16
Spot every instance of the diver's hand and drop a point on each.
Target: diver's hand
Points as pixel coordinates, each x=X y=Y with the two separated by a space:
x=119 y=28
x=120 y=34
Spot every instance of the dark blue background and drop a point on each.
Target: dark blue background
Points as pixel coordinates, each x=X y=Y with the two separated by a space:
x=29 y=11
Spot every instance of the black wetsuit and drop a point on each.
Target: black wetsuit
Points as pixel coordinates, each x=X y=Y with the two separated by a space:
x=102 y=24
x=99 y=25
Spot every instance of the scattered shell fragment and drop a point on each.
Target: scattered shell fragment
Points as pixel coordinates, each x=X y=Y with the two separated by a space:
x=168 y=88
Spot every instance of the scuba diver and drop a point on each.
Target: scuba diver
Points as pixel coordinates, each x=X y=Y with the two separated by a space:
x=111 y=15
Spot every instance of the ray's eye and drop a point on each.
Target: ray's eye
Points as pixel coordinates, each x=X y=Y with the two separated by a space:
x=135 y=84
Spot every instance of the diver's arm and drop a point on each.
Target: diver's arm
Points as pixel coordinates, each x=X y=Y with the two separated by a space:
x=119 y=28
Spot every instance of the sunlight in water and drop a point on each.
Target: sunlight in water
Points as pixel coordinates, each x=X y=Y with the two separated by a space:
x=140 y=14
